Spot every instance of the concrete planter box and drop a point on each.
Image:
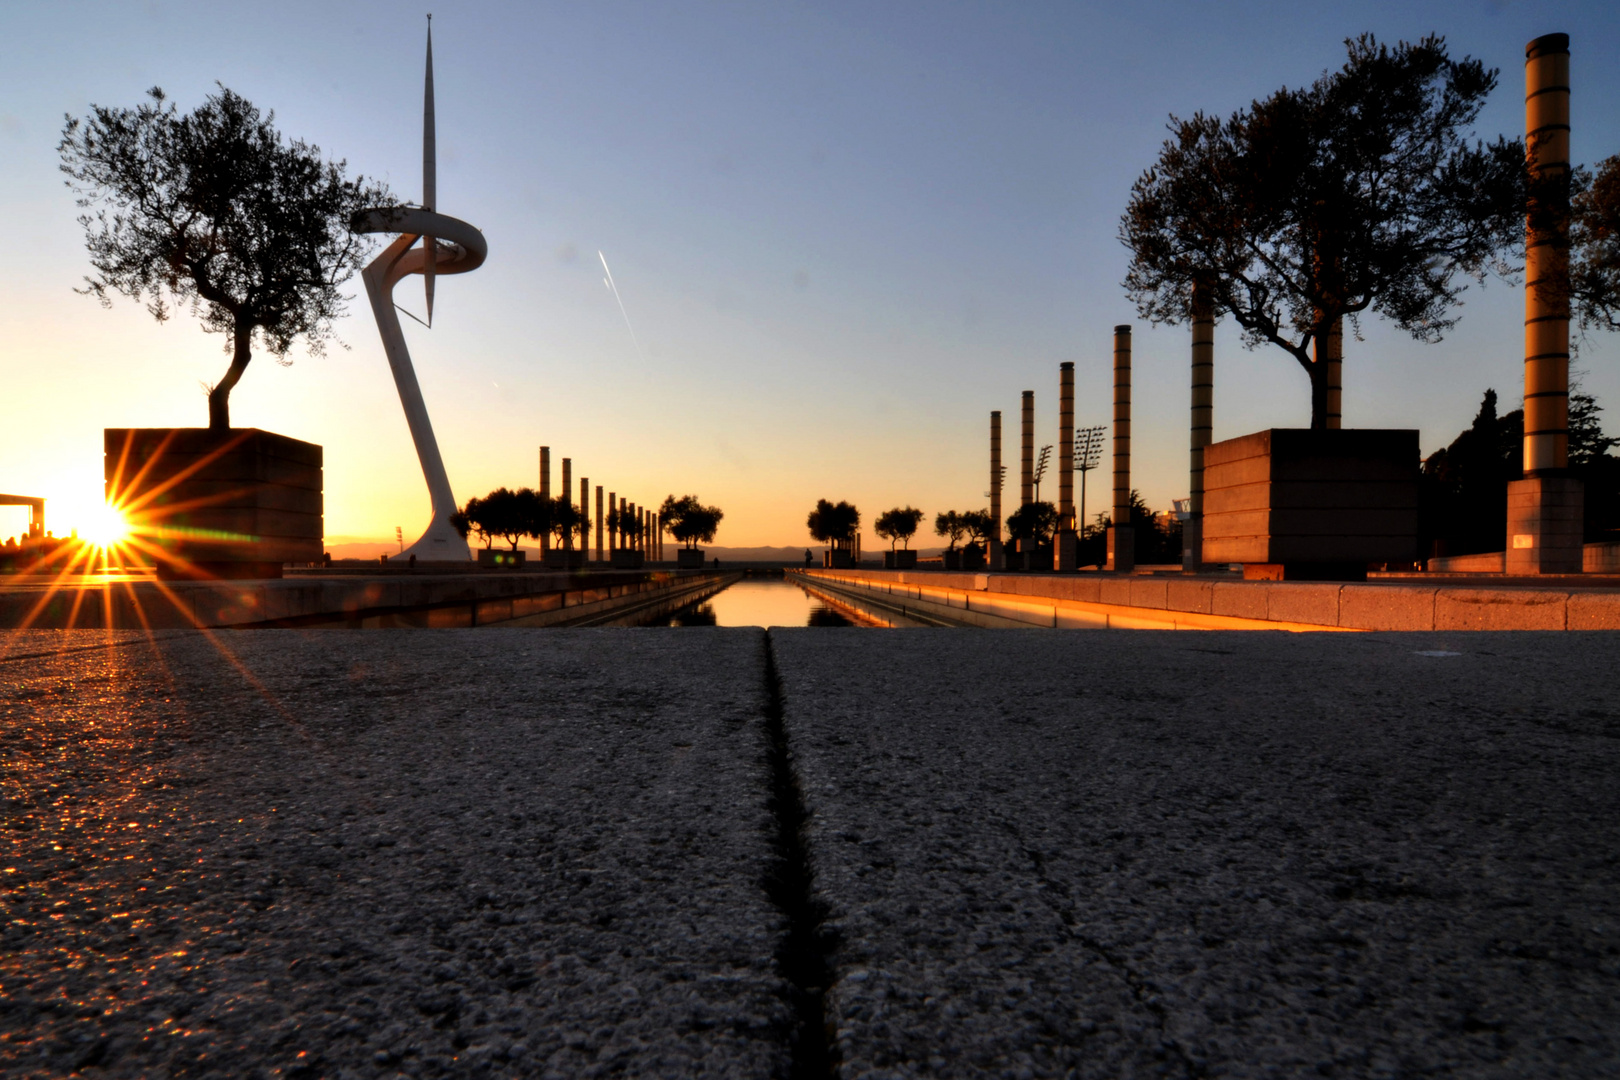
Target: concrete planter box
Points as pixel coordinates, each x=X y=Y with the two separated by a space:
x=628 y=559
x=206 y=504
x=950 y=560
x=564 y=559
x=839 y=559
x=501 y=559
x=973 y=557
x=689 y=559
x=1296 y=503
x=899 y=560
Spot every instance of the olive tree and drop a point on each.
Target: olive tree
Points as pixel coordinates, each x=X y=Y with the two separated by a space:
x=1359 y=192
x=215 y=210
x=689 y=521
x=1594 y=268
x=898 y=525
x=834 y=524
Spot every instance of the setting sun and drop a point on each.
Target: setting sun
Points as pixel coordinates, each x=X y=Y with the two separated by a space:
x=105 y=527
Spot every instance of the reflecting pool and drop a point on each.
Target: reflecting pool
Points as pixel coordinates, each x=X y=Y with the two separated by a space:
x=754 y=602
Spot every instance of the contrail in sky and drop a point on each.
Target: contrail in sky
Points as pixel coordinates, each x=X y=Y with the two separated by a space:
x=608 y=281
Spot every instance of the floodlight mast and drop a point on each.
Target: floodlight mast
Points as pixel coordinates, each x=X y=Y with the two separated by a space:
x=1088 y=444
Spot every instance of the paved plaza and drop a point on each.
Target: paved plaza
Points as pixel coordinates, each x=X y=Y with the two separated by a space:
x=1023 y=854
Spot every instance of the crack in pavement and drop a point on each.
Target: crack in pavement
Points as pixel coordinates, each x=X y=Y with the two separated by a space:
x=801 y=955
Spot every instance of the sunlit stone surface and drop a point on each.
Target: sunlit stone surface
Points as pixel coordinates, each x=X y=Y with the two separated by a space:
x=1215 y=854
x=349 y=853
x=513 y=852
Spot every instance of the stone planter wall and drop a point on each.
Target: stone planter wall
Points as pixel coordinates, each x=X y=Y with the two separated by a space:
x=629 y=559
x=899 y=560
x=501 y=558
x=206 y=504
x=689 y=559
x=1312 y=500
x=565 y=559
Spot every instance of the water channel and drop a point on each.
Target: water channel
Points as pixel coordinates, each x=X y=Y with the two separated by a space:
x=761 y=602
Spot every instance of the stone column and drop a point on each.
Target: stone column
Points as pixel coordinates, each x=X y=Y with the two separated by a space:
x=995 y=558
x=1203 y=426
x=567 y=496
x=584 y=510
x=1066 y=546
x=1026 y=451
x=1545 y=508
x=613 y=526
x=1332 y=354
x=598 y=522
x=1121 y=537
x=545 y=490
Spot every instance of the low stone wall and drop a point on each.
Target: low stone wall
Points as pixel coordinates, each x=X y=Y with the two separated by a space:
x=1595 y=559
x=347 y=600
x=1140 y=602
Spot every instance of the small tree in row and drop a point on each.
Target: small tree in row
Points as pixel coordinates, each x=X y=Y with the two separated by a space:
x=689 y=521
x=1035 y=521
x=899 y=525
x=513 y=515
x=627 y=523
x=835 y=524
x=949 y=524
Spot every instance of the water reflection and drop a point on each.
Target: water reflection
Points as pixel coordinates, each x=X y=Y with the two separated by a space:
x=757 y=603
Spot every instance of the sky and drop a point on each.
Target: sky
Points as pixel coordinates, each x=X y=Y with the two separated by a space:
x=843 y=233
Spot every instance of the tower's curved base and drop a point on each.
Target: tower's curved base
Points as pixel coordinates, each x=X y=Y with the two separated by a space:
x=441 y=543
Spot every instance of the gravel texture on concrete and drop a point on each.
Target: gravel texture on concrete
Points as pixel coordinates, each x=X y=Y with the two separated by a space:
x=1213 y=854
x=333 y=853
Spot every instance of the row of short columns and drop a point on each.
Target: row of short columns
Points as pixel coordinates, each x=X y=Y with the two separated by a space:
x=609 y=538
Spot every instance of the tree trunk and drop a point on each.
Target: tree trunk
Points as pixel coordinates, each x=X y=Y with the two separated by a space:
x=1319 y=396
x=219 y=398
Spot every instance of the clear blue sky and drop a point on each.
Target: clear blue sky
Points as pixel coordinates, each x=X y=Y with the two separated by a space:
x=844 y=233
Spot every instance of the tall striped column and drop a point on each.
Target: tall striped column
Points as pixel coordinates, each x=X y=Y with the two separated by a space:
x=1026 y=451
x=567 y=496
x=1545 y=508
x=1066 y=545
x=584 y=513
x=1331 y=353
x=545 y=490
x=598 y=522
x=994 y=555
x=1203 y=424
x=1121 y=538
x=1546 y=270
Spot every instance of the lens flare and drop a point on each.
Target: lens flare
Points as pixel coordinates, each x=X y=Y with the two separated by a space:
x=106 y=528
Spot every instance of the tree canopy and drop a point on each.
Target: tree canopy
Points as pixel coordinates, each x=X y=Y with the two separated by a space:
x=1594 y=269
x=627 y=523
x=979 y=525
x=689 y=521
x=1033 y=521
x=834 y=524
x=215 y=210
x=898 y=525
x=950 y=524
x=510 y=515
x=568 y=520
x=1358 y=192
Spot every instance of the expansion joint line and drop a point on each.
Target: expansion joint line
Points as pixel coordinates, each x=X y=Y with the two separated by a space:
x=801 y=955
